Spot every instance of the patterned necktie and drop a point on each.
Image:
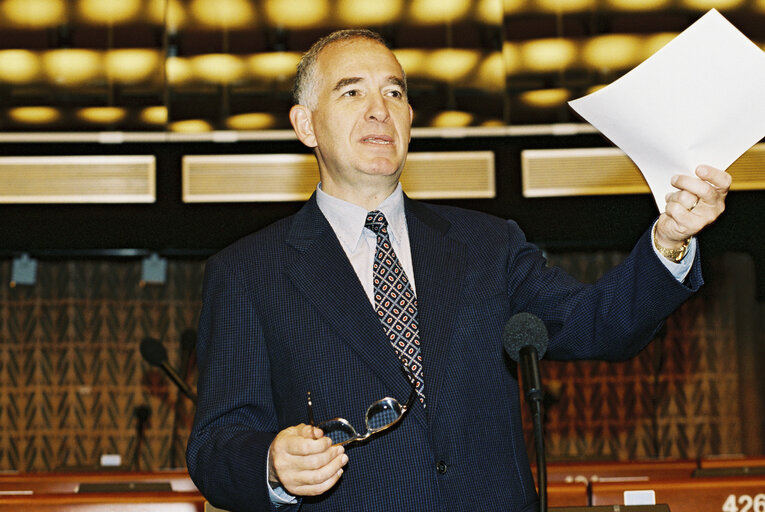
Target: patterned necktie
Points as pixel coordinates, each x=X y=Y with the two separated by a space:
x=395 y=302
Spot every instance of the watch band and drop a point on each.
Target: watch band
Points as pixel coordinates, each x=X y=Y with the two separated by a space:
x=672 y=254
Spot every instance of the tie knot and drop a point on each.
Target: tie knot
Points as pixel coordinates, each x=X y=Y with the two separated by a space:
x=376 y=222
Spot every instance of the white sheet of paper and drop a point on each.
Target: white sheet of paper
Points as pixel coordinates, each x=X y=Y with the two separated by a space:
x=698 y=100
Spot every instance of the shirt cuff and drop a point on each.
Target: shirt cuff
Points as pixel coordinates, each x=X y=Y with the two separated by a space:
x=278 y=495
x=682 y=268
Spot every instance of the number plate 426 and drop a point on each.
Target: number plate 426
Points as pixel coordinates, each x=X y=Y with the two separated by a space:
x=744 y=503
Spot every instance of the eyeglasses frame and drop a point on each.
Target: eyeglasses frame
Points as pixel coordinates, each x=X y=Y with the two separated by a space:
x=370 y=432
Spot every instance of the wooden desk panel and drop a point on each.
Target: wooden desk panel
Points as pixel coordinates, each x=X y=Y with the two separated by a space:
x=614 y=508
x=744 y=494
x=65 y=482
x=732 y=462
x=595 y=471
x=567 y=495
x=98 y=502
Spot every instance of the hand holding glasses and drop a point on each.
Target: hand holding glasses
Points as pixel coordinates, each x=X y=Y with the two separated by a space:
x=380 y=416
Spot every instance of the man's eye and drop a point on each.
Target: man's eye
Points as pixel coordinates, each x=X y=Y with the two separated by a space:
x=352 y=92
x=395 y=93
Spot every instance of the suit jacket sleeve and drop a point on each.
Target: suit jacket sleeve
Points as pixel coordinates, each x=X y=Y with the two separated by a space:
x=614 y=318
x=235 y=420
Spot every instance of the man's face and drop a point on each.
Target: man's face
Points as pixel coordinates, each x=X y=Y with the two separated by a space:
x=361 y=124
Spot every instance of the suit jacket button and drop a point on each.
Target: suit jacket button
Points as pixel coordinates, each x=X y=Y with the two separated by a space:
x=441 y=467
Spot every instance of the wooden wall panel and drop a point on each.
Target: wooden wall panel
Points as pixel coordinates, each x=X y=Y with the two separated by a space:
x=71 y=375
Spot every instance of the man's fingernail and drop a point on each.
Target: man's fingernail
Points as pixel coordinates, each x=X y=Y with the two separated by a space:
x=702 y=171
x=344 y=459
x=666 y=198
x=675 y=178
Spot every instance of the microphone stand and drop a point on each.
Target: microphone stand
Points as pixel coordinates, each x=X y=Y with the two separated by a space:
x=188 y=338
x=155 y=354
x=539 y=443
x=534 y=396
x=142 y=413
x=525 y=340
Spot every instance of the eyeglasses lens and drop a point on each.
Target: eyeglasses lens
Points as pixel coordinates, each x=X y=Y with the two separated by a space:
x=382 y=414
x=339 y=431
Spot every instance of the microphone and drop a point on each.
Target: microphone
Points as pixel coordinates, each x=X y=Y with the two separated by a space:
x=155 y=354
x=525 y=341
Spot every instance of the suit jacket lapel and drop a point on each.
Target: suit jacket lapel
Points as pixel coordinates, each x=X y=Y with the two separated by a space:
x=322 y=272
x=439 y=268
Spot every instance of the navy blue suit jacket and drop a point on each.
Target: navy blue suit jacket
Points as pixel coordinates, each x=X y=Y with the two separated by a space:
x=284 y=313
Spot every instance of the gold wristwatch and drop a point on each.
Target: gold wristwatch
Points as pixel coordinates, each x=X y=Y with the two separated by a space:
x=672 y=254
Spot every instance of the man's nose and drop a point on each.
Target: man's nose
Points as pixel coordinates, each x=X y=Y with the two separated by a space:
x=377 y=109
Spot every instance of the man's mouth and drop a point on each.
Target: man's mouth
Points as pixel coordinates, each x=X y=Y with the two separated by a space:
x=378 y=140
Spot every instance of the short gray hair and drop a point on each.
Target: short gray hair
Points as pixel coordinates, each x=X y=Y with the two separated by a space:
x=304 y=89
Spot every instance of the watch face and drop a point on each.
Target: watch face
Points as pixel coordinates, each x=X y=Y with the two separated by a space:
x=679 y=254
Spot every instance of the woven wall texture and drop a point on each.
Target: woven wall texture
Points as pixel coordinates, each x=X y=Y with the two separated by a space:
x=72 y=380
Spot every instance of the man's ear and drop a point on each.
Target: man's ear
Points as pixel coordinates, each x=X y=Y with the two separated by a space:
x=300 y=117
x=411 y=118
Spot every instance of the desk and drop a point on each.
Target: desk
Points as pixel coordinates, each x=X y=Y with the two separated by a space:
x=723 y=494
x=596 y=471
x=736 y=466
x=567 y=494
x=732 y=462
x=614 y=508
x=98 y=502
x=116 y=491
x=69 y=482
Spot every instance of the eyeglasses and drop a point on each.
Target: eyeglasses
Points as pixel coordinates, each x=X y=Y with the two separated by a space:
x=380 y=416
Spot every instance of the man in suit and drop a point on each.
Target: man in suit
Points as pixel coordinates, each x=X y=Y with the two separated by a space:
x=297 y=308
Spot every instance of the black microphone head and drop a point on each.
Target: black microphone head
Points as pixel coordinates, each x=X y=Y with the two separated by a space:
x=523 y=330
x=153 y=351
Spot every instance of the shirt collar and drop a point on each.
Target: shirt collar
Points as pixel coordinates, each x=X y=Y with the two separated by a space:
x=348 y=219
